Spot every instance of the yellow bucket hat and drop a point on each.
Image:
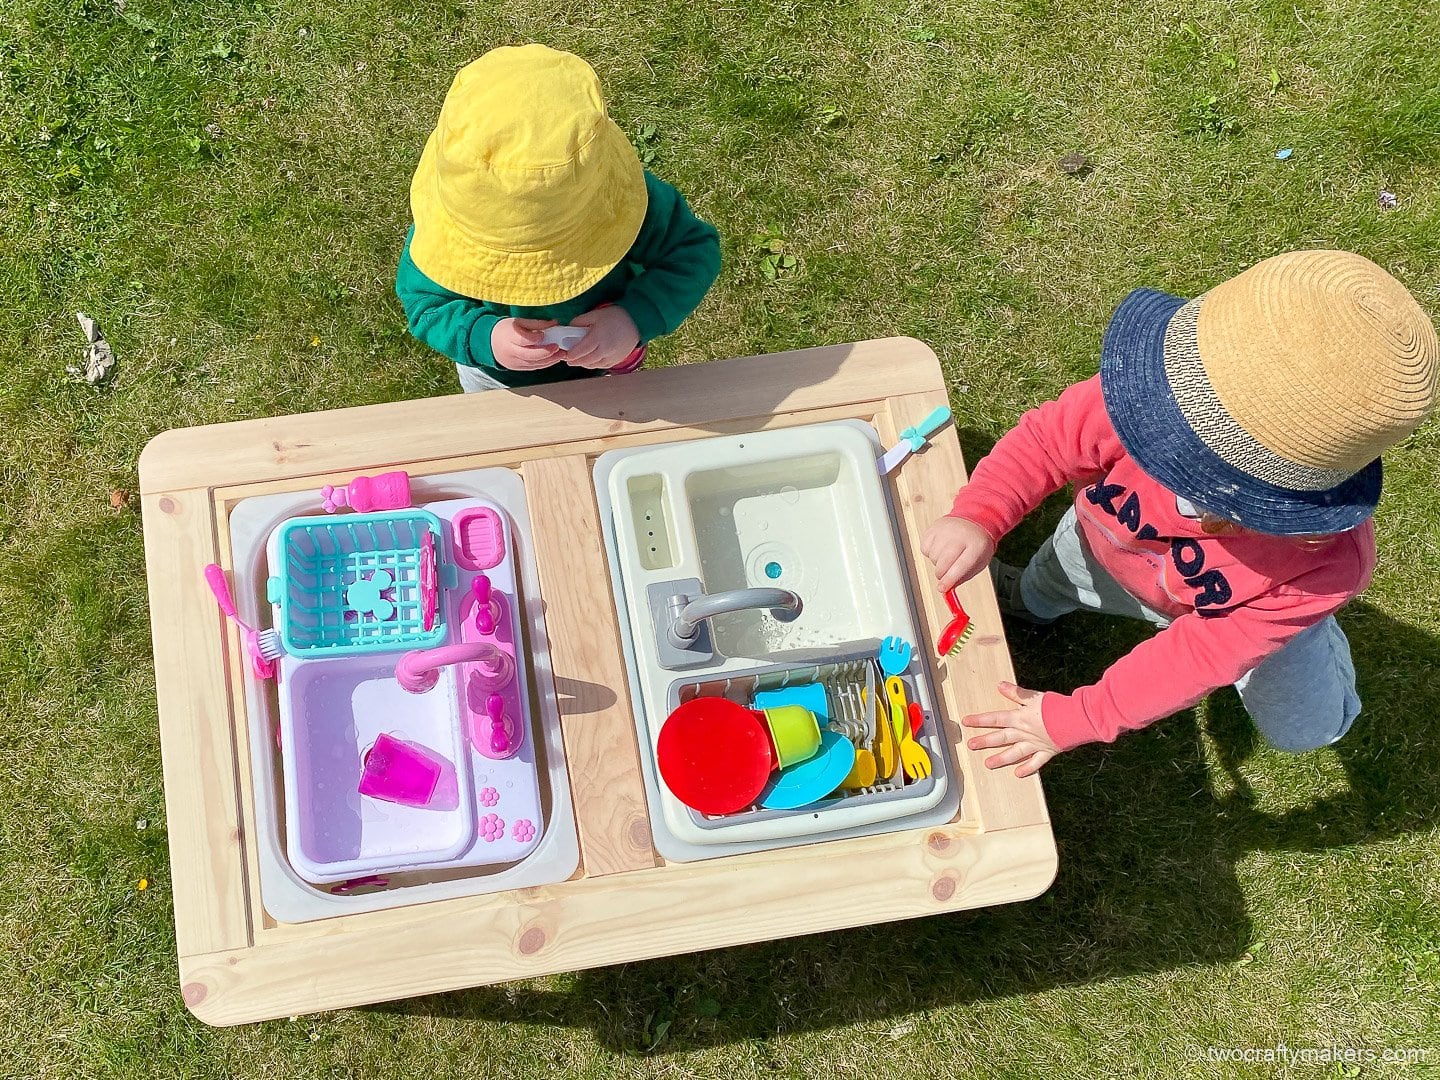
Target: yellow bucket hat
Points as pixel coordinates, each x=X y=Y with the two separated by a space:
x=527 y=192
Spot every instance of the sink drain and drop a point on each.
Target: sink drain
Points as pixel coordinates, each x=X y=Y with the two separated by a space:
x=775 y=563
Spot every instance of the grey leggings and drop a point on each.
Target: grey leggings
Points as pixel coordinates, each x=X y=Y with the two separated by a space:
x=1300 y=698
x=473 y=380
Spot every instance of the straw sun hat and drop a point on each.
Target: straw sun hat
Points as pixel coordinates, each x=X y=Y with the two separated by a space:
x=527 y=193
x=1268 y=399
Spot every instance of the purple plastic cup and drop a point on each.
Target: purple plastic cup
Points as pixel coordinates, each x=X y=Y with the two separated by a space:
x=399 y=772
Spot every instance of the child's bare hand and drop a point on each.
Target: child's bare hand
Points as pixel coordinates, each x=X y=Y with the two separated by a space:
x=516 y=344
x=959 y=548
x=1021 y=731
x=611 y=339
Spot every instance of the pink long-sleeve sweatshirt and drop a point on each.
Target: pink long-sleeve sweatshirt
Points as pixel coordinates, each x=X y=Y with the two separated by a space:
x=1235 y=599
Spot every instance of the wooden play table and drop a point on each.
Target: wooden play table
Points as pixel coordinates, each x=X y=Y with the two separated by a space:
x=625 y=903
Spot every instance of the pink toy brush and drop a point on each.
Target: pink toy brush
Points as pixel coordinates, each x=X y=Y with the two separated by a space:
x=479 y=539
x=263 y=646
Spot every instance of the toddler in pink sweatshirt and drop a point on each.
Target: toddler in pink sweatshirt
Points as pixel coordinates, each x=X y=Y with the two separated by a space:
x=1226 y=464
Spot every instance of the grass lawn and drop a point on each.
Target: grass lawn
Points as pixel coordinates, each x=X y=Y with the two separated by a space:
x=223 y=185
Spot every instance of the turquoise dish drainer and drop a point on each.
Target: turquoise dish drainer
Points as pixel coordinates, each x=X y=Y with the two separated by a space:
x=321 y=558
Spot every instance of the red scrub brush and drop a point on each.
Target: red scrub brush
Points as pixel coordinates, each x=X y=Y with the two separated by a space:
x=954 y=636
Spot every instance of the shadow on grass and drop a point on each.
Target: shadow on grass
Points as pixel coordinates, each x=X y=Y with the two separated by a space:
x=1147 y=882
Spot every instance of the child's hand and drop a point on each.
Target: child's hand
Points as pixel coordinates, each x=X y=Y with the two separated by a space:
x=959 y=548
x=611 y=339
x=517 y=346
x=1021 y=731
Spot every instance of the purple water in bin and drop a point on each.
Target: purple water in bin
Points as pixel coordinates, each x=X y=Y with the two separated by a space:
x=340 y=709
x=399 y=772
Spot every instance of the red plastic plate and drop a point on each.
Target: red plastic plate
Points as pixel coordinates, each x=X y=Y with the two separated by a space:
x=714 y=755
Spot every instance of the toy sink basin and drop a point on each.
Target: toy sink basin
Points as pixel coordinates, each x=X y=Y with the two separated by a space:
x=799 y=508
x=331 y=711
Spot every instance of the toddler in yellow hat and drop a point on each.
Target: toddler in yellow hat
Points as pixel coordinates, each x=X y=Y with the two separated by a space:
x=531 y=212
x=1226 y=461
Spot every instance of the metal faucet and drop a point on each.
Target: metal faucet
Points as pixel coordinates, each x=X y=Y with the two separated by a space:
x=685 y=613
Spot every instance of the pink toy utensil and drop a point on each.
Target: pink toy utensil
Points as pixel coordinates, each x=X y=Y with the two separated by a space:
x=263 y=648
x=487 y=605
x=388 y=491
x=370 y=881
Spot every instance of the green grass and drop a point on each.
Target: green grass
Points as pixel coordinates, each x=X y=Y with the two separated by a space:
x=224 y=187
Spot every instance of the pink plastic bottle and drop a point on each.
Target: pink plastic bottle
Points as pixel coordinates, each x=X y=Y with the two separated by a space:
x=388 y=491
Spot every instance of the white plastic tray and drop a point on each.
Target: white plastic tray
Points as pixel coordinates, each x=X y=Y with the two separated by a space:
x=553 y=856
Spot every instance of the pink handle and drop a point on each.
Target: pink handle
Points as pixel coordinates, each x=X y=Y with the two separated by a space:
x=486 y=609
x=215 y=578
x=499 y=737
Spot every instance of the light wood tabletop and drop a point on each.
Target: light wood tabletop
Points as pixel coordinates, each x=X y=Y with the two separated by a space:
x=625 y=903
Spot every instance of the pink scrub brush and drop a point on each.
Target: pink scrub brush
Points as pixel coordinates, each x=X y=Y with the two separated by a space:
x=262 y=645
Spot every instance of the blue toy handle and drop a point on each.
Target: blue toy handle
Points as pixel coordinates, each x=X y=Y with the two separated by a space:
x=917 y=434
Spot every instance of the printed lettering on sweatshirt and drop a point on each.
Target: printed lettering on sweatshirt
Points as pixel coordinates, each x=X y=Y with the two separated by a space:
x=1212 y=590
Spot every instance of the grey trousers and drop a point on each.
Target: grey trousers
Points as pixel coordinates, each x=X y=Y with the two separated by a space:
x=1300 y=698
x=473 y=380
